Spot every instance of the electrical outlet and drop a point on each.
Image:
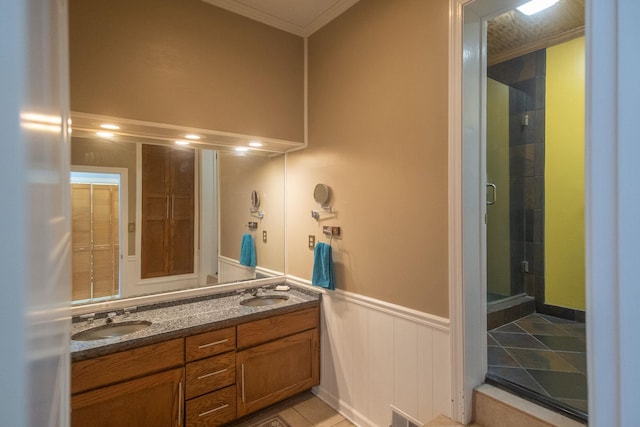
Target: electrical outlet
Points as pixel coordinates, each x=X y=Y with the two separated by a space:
x=312 y=241
x=264 y=236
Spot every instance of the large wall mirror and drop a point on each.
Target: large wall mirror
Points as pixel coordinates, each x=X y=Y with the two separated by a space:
x=154 y=211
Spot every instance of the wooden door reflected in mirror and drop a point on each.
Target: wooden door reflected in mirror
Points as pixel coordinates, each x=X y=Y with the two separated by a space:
x=95 y=212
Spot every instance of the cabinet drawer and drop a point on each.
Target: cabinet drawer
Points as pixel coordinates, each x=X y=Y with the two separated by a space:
x=271 y=328
x=212 y=409
x=210 y=374
x=210 y=343
x=117 y=367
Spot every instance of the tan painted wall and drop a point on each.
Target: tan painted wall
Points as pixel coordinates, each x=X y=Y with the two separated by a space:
x=188 y=63
x=239 y=175
x=378 y=137
x=96 y=152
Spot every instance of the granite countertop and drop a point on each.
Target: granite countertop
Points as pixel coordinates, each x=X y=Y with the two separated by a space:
x=178 y=319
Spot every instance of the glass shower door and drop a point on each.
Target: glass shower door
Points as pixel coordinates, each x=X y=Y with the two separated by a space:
x=498 y=189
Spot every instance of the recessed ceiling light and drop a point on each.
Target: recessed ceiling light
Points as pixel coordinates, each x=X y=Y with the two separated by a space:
x=242 y=149
x=192 y=136
x=535 y=6
x=181 y=142
x=255 y=143
x=109 y=126
x=105 y=134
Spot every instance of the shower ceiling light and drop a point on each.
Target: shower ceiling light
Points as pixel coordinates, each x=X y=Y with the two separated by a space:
x=536 y=6
x=192 y=136
x=181 y=142
x=105 y=134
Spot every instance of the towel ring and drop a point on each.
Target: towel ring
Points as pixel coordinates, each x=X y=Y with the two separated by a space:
x=330 y=231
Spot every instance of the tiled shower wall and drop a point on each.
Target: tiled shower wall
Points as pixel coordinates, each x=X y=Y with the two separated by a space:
x=525 y=77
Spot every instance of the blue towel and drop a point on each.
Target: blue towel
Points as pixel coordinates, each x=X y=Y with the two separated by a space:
x=247 y=251
x=323 y=267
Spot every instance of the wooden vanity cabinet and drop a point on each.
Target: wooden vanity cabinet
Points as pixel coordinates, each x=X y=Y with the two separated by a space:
x=203 y=380
x=282 y=359
x=136 y=388
x=210 y=379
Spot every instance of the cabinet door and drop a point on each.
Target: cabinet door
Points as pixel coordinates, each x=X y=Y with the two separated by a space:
x=181 y=185
x=151 y=401
x=155 y=211
x=271 y=372
x=168 y=178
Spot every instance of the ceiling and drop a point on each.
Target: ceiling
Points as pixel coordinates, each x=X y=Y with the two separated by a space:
x=300 y=17
x=509 y=35
x=514 y=34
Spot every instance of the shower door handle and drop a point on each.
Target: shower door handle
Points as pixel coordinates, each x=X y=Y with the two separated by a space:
x=494 y=193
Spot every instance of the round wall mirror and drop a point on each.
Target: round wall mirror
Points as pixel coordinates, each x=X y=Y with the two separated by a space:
x=321 y=194
x=255 y=199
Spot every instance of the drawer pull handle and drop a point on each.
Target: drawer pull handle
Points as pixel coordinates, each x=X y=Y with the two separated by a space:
x=180 y=403
x=210 y=411
x=213 y=343
x=212 y=373
x=243 y=383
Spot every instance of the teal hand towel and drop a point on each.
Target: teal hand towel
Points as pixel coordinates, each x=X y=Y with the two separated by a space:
x=323 y=267
x=247 y=251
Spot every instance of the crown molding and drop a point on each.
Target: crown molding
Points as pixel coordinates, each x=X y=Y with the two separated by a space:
x=303 y=31
x=328 y=15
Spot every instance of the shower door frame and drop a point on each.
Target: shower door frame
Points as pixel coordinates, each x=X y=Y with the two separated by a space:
x=613 y=237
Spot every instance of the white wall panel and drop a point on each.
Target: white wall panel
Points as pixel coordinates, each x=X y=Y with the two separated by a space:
x=380 y=360
x=356 y=340
x=426 y=375
x=405 y=366
x=375 y=355
x=230 y=271
x=441 y=353
x=340 y=351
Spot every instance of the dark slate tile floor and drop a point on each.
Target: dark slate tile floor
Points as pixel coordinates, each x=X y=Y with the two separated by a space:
x=544 y=354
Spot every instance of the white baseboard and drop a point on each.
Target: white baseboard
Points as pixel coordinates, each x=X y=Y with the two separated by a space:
x=342 y=407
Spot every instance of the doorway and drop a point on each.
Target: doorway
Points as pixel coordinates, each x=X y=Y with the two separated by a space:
x=535 y=227
x=97 y=204
x=611 y=206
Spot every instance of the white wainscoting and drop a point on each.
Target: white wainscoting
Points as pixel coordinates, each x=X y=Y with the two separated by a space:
x=230 y=270
x=375 y=354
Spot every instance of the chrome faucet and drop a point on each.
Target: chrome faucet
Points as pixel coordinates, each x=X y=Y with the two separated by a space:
x=110 y=317
x=88 y=317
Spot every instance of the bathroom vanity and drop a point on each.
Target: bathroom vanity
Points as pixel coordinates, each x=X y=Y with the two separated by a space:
x=203 y=362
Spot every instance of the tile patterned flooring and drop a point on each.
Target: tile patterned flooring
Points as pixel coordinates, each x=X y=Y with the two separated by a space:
x=544 y=354
x=302 y=410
